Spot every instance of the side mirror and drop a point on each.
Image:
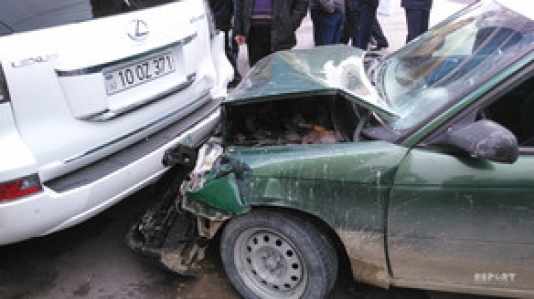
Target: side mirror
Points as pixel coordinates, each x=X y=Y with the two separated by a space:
x=486 y=139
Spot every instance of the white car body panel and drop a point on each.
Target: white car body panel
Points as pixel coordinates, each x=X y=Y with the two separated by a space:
x=59 y=119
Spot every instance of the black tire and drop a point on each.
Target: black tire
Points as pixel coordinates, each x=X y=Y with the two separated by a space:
x=277 y=255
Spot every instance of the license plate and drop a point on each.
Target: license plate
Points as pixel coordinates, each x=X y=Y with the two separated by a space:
x=138 y=73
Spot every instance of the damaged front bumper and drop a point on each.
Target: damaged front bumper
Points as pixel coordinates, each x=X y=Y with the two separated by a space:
x=176 y=231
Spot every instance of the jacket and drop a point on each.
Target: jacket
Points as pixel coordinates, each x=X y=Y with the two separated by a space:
x=327 y=5
x=416 y=4
x=287 y=17
x=223 y=11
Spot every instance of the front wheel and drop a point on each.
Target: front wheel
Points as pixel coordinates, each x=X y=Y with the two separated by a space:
x=275 y=255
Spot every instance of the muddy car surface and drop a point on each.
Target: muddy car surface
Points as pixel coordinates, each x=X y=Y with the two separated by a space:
x=415 y=168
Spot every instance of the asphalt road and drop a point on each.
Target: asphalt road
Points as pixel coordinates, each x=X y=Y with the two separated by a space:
x=92 y=260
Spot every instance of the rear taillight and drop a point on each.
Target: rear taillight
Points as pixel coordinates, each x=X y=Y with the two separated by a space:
x=19 y=188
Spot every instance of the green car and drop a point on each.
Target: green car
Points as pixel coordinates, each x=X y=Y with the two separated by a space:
x=416 y=169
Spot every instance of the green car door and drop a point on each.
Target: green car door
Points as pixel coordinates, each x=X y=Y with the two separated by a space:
x=462 y=221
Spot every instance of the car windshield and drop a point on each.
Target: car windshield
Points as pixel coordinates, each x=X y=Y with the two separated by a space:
x=459 y=54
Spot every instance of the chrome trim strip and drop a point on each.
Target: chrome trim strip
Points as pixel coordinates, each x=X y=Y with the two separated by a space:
x=111 y=114
x=205 y=94
x=100 y=67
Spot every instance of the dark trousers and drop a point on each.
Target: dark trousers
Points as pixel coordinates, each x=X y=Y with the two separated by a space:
x=350 y=31
x=378 y=34
x=417 y=22
x=326 y=26
x=350 y=27
x=228 y=49
x=366 y=10
x=258 y=43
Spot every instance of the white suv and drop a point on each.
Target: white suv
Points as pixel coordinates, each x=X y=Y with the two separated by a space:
x=92 y=95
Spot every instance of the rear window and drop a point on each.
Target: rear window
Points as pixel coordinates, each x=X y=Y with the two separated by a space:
x=23 y=15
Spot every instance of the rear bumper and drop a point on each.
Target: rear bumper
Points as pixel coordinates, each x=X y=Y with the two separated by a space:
x=76 y=197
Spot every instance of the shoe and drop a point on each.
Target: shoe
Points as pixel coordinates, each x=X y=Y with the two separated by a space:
x=378 y=47
x=233 y=83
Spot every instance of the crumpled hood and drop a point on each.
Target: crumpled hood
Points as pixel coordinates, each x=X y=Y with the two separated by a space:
x=319 y=71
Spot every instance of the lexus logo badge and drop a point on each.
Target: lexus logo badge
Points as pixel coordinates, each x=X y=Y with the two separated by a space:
x=138 y=30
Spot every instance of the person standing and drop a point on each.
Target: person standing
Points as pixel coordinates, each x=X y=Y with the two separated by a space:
x=327 y=17
x=366 y=10
x=417 y=17
x=267 y=26
x=378 y=36
x=350 y=28
x=223 y=11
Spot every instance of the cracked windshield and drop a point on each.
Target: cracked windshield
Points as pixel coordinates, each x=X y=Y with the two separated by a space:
x=454 y=57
